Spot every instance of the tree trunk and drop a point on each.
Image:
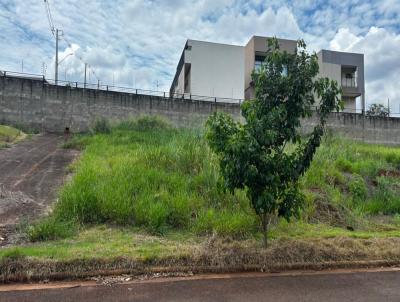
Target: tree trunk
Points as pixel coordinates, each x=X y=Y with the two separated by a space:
x=265 y=222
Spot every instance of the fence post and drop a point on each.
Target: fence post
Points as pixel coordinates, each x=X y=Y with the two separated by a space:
x=107 y=87
x=76 y=84
x=136 y=91
x=190 y=96
x=215 y=99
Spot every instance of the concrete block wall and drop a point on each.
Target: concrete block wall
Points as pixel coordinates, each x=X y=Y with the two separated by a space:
x=36 y=104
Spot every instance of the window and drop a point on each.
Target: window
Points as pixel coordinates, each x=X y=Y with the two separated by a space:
x=258 y=62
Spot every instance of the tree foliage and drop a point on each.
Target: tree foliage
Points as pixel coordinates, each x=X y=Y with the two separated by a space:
x=254 y=156
x=378 y=110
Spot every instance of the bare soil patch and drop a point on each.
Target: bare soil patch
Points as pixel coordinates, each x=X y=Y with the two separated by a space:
x=30 y=174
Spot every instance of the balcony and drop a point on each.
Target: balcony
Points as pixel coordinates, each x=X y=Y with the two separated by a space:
x=349 y=82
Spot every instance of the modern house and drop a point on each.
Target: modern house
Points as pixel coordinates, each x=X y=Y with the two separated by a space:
x=348 y=70
x=211 y=71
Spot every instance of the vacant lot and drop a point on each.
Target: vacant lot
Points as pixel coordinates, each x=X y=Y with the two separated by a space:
x=145 y=194
x=31 y=173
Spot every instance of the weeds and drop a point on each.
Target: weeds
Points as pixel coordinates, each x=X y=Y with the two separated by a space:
x=147 y=174
x=100 y=125
x=51 y=229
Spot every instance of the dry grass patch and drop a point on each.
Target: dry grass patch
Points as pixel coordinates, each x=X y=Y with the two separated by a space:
x=118 y=251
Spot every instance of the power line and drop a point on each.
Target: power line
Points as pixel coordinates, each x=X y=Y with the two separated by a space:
x=49 y=17
x=58 y=34
x=79 y=57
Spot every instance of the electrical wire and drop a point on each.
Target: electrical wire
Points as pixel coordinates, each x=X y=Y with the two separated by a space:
x=52 y=29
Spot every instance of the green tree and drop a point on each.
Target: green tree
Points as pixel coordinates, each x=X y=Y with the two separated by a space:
x=378 y=110
x=255 y=156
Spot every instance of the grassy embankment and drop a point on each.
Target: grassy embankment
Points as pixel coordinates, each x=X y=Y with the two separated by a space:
x=148 y=191
x=9 y=135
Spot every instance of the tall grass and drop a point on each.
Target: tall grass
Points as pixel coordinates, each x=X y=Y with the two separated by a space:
x=144 y=172
x=147 y=173
x=361 y=176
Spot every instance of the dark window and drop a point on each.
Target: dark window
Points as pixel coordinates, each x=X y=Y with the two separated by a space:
x=258 y=62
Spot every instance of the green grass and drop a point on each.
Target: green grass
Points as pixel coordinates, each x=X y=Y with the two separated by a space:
x=9 y=135
x=103 y=242
x=363 y=177
x=110 y=242
x=155 y=181
x=146 y=173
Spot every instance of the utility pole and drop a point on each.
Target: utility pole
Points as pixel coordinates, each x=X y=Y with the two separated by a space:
x=84 y=83
x=44 y=69
x=56 y=63
x=388 y=108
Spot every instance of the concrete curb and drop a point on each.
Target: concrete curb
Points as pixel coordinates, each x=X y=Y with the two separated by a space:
x=21 y=270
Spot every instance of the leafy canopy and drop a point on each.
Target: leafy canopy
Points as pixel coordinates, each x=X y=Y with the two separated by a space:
x=378 y=110
x=254 y=155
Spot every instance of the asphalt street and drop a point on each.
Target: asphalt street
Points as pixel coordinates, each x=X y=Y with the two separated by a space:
x=358 y=286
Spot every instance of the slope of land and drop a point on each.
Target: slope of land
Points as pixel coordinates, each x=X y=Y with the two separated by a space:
x=31 y=173
x=151 y=194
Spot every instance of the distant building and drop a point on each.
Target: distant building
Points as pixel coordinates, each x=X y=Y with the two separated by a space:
x=348 y=70
x=212 y=70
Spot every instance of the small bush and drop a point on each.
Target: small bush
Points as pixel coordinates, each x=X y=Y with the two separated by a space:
x=358 y=188
x=386 y=198
x=333 y=177
x=393 y=158
x=77 y=142
x=51 y=229
x=100 y=126
x=344 y=165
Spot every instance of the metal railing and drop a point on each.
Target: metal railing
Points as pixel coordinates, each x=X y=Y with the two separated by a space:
x=183 y=96
x=349 y=82
x=131 y=90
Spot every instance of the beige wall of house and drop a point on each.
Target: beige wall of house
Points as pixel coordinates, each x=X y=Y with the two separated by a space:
x=257 y=46
x=216 y=70
x=225 y=71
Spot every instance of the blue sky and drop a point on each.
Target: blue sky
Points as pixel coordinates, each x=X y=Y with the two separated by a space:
x=138 y=43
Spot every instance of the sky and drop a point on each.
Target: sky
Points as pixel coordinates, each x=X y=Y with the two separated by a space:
x=137 y=43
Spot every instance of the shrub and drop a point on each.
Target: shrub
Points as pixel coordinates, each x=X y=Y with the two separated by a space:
x=344 y=165
x=51 y=229
x=358 y=188
x=386 y=198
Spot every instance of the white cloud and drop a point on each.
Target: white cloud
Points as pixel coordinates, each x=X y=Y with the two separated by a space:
x=141 y=40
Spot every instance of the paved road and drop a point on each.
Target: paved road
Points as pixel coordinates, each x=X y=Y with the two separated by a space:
x=362 y=286
x=30 y=174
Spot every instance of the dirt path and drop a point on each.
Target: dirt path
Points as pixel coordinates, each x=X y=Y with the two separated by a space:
x=30 y=174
